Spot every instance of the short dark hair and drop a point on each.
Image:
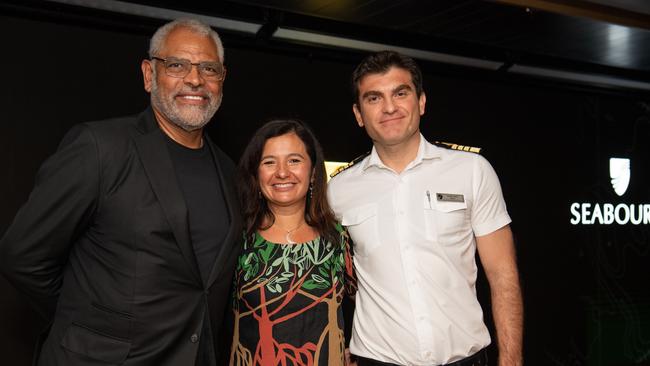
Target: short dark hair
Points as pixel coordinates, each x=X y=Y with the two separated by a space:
x=379 y=63
x=318 y=213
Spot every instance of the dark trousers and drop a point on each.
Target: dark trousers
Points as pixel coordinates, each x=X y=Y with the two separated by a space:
x=477 y=359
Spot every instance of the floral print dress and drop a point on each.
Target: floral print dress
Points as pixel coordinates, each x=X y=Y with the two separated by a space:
x=287 y=302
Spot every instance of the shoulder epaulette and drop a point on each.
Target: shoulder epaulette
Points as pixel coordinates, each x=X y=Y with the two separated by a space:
x=452 y=146
x=349 y=165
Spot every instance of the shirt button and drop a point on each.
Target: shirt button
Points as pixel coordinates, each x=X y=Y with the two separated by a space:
x=427 y=354
x=194 y=338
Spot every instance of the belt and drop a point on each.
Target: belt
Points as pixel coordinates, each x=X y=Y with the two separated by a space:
x=477 y=359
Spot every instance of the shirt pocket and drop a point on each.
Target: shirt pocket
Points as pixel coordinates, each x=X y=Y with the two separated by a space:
x=361 y=223
x=446 y=222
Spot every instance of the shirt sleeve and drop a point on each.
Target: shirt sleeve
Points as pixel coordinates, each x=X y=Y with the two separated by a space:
x=331 y=198
x=489 y=211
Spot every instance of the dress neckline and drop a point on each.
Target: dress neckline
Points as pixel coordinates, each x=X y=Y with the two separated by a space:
x=257 y=234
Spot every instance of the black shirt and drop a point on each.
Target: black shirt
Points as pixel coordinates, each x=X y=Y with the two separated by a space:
x=208 y=220
x=207 y=213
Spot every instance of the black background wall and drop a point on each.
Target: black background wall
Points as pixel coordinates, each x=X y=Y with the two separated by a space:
x=585 y=287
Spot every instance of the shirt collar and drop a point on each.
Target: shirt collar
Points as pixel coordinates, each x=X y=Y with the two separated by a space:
x=373 y=160
x=426 y=151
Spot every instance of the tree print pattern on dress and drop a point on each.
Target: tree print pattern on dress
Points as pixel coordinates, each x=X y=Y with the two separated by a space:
x=287 y=302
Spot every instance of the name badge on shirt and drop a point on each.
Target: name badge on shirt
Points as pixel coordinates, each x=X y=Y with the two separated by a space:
x=450 y=197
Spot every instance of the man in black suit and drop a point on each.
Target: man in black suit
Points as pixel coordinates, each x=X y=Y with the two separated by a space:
x=128 y=241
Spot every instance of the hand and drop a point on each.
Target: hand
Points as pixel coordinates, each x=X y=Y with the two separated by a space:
x=348 y=358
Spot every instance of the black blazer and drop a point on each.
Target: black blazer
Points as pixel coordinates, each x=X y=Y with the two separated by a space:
x=102 y=248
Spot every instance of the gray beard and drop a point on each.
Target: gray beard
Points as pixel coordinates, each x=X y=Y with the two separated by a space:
x=189 y=118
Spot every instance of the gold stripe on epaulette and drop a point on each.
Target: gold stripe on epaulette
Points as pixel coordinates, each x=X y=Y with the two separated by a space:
x=452 y=146
x=349 y=165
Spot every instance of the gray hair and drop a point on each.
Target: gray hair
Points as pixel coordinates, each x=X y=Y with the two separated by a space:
x=194 y=25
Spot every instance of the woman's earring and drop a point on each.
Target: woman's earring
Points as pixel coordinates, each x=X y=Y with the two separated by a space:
x=311 y=190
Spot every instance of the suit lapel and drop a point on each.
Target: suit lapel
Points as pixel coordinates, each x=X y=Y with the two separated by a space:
x=231 y=240
x=160 y=171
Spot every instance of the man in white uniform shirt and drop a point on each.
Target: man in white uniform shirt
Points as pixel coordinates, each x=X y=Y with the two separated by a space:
x=417 y=213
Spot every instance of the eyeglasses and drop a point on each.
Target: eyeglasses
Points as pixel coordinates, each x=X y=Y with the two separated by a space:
x=180 y=67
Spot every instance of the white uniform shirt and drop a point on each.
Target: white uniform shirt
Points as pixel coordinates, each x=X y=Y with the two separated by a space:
x=414 y=250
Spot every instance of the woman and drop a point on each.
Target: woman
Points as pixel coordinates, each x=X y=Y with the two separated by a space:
x=290 y=277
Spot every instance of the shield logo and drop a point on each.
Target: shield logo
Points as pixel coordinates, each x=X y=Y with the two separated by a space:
x=619 y=171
